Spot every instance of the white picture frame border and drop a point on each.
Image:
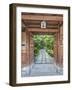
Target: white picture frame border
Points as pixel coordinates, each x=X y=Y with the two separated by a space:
x=63 y=77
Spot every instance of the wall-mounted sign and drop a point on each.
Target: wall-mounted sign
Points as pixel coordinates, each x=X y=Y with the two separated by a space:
x=43 y=24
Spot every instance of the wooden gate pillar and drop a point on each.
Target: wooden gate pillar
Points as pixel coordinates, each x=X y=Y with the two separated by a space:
x=31 y=45
x=56 y=48
x=60 y=48
x=25 y=59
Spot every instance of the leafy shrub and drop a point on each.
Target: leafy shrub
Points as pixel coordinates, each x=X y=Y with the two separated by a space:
x=43 y=41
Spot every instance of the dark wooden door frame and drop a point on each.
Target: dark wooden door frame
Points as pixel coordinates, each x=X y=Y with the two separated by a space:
x=47 y=34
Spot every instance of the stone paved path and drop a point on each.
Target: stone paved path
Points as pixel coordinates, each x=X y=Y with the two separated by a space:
x=43 y=66
x=43 y=57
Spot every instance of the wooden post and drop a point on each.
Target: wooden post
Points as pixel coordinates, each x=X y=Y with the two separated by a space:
x=60 y=46
x=56 y=48
x=31 y=45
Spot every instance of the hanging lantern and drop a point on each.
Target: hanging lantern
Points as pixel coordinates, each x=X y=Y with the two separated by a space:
x=43 y=24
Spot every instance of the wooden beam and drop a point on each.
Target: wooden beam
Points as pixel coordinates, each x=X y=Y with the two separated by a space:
x=41 y=17
x=39 y=26
x=42 y=30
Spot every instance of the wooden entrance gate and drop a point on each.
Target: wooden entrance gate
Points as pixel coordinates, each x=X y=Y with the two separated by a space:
x=31 y=24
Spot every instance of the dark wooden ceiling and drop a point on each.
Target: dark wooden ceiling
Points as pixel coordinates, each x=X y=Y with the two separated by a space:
x=34 y=20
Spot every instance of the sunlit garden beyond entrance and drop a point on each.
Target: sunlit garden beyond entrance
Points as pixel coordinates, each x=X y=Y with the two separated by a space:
x=43 y=48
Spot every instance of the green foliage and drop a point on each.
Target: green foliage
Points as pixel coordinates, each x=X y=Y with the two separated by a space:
x=43 y=41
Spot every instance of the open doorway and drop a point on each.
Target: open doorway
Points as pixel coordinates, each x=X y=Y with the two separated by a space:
x=43 y=48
